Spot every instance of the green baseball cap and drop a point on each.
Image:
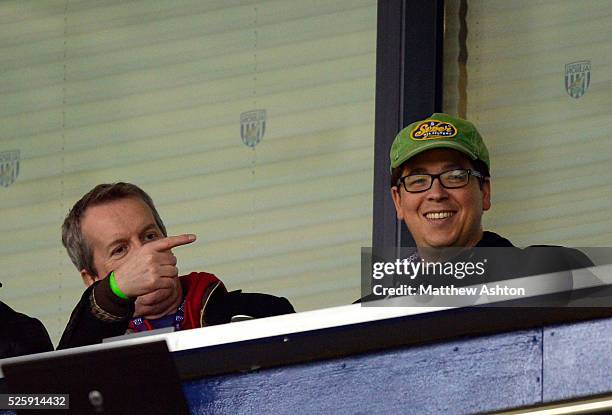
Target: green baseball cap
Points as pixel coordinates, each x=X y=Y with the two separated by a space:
x=438 y=131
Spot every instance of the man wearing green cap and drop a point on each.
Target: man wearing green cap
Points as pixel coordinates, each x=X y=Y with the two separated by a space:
x=440 y=183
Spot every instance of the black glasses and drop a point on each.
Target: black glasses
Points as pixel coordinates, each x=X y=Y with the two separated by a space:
x=451 y=179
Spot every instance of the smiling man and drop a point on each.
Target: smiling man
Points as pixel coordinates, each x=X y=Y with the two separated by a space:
x=440 y=183
x=118 y=242
x=441 y=187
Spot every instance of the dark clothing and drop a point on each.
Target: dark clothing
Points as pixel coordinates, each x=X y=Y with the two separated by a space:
x=500 y=260
x=21 y=334
x=207 y=303
x=493 y=240
x=514 y=262
x=84 y=327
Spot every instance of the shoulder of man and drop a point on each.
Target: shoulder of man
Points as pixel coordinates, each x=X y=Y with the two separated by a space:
x=21 y=334
x=534 y=259
x=219 y=306
x=553 y=258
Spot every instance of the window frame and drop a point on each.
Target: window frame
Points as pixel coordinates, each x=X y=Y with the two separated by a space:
x=406 y=90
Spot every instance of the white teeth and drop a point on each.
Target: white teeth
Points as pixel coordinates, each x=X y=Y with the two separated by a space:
x=439 y=215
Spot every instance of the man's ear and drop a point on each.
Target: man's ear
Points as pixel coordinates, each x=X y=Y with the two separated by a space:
x=397 y=201
x=88 y=279
x=486 y=195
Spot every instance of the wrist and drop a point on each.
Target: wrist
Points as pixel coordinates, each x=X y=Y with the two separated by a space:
x=107 y=306
x=115 y=287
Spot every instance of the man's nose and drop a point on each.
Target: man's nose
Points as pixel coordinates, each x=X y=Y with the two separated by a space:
x=137 y=243
x=437 y=191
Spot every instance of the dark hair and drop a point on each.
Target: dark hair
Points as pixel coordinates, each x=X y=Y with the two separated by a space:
x=78 y=248
x=477 y=165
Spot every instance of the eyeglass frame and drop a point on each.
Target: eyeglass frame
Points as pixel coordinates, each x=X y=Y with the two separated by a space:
x=402 y=180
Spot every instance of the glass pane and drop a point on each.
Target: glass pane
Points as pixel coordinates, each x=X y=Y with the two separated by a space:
x=250 y=123
x=535 y=77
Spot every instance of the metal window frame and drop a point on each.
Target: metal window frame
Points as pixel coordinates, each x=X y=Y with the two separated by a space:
x=410 y=36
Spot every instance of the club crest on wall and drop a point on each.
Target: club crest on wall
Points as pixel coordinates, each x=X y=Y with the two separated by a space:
x=9 y=167
x=252 y=127
x=577 y=78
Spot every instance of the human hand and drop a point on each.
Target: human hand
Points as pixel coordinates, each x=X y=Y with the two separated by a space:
x=159 y=302
x=152 y=267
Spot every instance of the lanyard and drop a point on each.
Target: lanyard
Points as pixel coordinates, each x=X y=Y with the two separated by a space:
x=171 y=320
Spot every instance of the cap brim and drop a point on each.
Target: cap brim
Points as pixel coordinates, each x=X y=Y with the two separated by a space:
x=433 y=145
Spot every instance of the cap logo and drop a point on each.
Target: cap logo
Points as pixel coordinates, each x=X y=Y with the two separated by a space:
x=432 y=129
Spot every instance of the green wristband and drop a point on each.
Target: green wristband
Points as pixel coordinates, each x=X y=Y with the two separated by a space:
x=115 y=288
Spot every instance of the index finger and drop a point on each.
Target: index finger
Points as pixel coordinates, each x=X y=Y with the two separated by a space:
x=170 y=242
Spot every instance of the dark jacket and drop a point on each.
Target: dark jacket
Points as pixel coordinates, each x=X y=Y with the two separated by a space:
x=214 y=305
x=505 y=261
x=21 y=334
x=513 y=262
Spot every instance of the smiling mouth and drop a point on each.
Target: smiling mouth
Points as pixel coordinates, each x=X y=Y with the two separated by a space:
x=439 y=215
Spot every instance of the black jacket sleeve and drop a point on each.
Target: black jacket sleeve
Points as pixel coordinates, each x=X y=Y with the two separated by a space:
x=84 y=328
x=21 y=334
